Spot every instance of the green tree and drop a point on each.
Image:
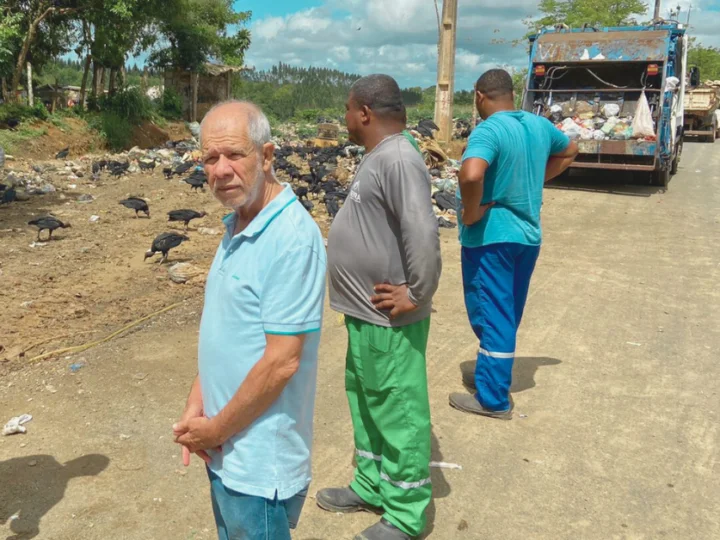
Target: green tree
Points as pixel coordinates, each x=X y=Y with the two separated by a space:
x=575 y=13
x=196 y=31
x=707 y=59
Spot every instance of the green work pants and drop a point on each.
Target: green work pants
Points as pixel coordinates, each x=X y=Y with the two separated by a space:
x=386 y=383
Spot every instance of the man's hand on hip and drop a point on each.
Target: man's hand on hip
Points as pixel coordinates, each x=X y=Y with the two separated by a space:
x=471 y=215
x=393 y=298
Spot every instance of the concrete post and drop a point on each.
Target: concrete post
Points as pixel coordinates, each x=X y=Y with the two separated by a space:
x=445 y=92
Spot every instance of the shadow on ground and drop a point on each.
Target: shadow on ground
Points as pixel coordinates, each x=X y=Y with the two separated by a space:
x=440 y=486
x=32 y=485
x=524 y=370
x=634 y=184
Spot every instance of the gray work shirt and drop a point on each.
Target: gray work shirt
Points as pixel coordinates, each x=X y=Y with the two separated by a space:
x=386 y=232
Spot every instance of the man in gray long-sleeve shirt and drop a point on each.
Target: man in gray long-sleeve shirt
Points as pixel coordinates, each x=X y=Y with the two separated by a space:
x=384 y=263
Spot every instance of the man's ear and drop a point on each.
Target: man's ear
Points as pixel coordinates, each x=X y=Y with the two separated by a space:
x=268 y=156
x=365 y=113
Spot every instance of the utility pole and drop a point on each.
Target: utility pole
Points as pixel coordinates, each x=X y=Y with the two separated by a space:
x=657 y=10
x=445 y=91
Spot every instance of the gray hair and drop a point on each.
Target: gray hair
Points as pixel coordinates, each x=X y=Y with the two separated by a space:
x=381 y=94
x=258 y=126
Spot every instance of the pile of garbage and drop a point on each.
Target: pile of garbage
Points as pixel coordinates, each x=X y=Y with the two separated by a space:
x=588 y=121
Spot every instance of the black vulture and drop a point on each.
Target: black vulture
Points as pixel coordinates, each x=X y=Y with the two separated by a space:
x=333 y=207
x=339 y=194
x=48 y=223
x=137 y=204
x=307 y=205
x=12 y=123
x=62 y=154
x=301 y=192
x=185 y=216
x=118 y=168
x=445 y=200
x=8 y=195
x=147 y=165
x=330 y=186
x=98 y=166
x=163 y=243
x=197 y=180
x=183 y=168
x=168 y=172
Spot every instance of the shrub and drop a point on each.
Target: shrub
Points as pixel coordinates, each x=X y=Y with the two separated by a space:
x=129 y=104
x=171 y=105
x=117 y=130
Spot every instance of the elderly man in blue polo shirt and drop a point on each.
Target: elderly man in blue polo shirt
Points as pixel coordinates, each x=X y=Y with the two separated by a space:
x=250 y=411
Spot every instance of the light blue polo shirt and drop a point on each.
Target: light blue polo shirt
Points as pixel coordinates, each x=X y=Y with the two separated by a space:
x=268 y=279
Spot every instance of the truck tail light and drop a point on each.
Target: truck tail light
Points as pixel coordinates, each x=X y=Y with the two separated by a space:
x=653 y=69
x=539 y=71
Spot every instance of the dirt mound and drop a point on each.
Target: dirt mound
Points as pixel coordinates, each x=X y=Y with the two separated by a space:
x=76 y=135
x=148 y=135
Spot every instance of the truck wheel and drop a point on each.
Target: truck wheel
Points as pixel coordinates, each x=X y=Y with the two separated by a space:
x=661 y=177
x=676 y=160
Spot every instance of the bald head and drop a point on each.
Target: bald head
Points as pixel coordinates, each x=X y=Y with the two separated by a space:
x=230 y=113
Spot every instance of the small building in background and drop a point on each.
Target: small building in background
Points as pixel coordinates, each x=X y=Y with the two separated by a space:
x=200 y=91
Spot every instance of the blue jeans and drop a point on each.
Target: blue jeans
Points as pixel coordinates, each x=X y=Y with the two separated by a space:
x=496 y=279
x=245 y=517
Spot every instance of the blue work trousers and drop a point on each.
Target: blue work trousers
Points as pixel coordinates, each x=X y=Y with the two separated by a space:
x=496 y=279
x=246 y=517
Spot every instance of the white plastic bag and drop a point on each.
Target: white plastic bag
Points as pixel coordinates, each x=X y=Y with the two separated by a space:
x=598 y=135
x=611 y=109
x=642 y=125
x=671 y=84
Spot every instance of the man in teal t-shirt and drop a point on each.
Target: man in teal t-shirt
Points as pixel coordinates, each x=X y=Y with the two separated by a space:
x=508 y=159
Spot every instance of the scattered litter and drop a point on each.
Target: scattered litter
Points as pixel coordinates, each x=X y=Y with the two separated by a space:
x=77 y=366
x=85 y=198
x=50 y=388
x=15 y=425
x=94 y=219
x=523 y=416
x=124 y=437
x=38 y=244
x=27 y=304
x=32 y=463
x=206 y=231
x=634 y=344
x=443 y=465
x=140 y=376
x=72 y=186
x=183 y=272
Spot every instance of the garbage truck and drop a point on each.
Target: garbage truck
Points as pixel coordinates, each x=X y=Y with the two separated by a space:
x=702 y=117
x=619 y=92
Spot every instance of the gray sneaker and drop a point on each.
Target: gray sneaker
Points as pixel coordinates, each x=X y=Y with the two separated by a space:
x=468 y=403
x=383 y=530
x=343 y=500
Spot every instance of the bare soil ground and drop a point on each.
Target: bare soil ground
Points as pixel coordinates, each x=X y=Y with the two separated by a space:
x=617 y=412
x=91 y=279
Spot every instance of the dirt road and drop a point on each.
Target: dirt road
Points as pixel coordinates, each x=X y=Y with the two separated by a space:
x=617 y=409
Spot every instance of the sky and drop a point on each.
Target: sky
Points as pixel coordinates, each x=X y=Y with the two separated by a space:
x=399 y=37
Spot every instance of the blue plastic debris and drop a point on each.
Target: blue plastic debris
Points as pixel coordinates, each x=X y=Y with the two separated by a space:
x=77 y=366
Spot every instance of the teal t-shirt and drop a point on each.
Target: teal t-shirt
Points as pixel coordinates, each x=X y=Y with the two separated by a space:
x=516 y=145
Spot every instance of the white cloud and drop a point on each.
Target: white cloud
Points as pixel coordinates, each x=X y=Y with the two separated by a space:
x=399 y=37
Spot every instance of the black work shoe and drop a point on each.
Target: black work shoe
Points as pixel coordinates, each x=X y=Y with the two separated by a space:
x=468 y=374
x=343 y=500
x=468 y=403
x=383 y=530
